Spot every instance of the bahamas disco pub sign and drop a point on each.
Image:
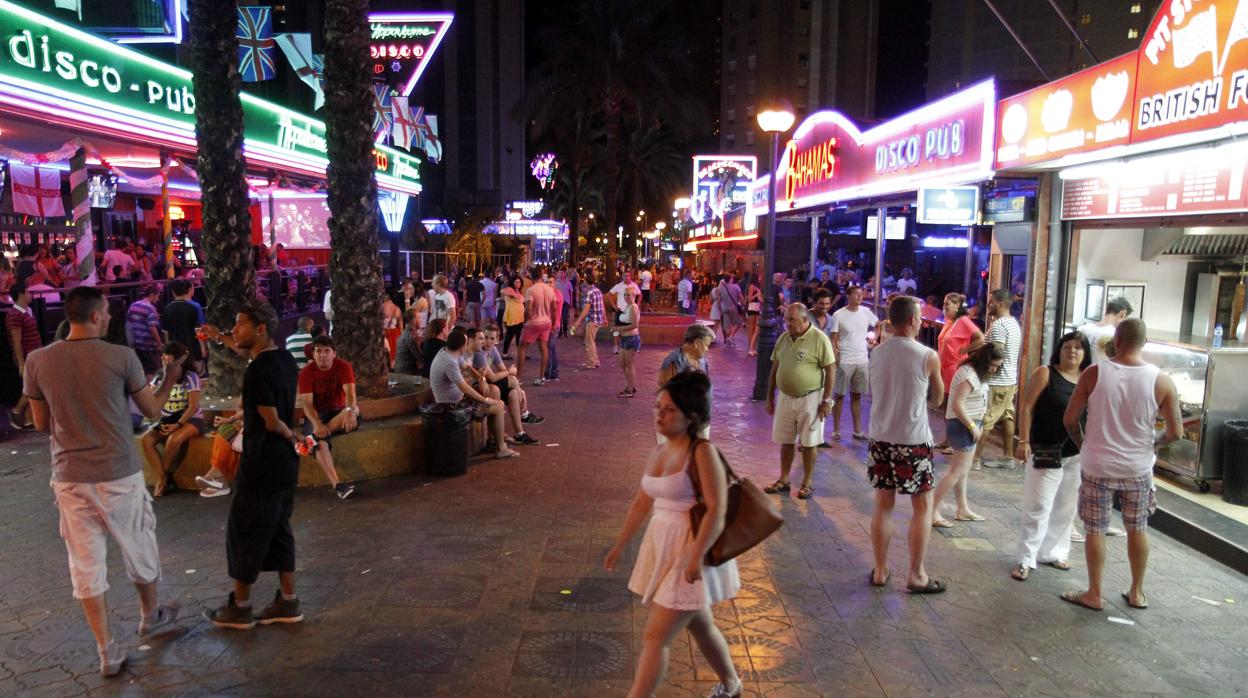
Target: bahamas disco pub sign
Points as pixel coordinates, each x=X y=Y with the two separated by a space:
x=829 y=160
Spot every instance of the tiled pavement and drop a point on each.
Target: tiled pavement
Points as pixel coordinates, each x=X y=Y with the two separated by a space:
x=490 y=584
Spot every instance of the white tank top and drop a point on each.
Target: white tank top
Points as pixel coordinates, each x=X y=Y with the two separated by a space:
x=899 y=392
x=1118 y=440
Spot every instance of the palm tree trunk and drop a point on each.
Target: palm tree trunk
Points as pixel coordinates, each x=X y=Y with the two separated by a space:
x=611 y=177
x=226 y=242
x=574 y=199
x=355 y=265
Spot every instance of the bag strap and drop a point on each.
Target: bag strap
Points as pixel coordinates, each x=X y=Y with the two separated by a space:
x=692 y=469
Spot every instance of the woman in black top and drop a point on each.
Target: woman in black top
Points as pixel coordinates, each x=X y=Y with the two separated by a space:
x=1051 y=480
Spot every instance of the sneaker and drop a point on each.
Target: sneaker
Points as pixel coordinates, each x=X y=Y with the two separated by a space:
x=550 y=379
x=112 y=658
x=530 y=418
x=212 y=484
x=161 y=622
x=539 y=381
x=1115 y=531
x=343 y=490
x=231 y=616
x=210 y=492
x=280 y=611
x=524 y=439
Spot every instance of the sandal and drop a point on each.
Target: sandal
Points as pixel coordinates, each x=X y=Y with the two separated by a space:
x=1076 y=597
x=969 y=517
x=1126 y=596
x=871 y=578
x=942 y=523
x=932 y=587
x=805 y=492
x=1020 y=573
x=627 y=393
x=777 y=487
x=1059 y=565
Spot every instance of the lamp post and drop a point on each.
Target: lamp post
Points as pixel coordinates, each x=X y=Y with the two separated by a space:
x=775 y=121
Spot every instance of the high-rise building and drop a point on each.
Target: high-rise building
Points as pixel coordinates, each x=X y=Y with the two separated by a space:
x=817 y=54
x=968 y=42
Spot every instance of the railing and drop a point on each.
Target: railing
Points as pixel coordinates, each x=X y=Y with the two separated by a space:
x=427 y=264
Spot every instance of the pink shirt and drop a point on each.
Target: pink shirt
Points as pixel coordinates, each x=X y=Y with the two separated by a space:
x=539 y=298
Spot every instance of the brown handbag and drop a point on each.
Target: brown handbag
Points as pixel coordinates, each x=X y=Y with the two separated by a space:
x=751 y=515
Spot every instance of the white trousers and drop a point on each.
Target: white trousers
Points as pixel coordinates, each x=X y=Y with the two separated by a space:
x=1050 y=498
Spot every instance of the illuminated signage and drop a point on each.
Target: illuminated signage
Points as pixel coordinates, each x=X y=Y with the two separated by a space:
x=894 y=227
x=402 y=44
x=62 y=75
x=1189 y=182
x=948 y=141
x=719 y=183
x=528 y=209
x=949 y=205
x=1085 y=111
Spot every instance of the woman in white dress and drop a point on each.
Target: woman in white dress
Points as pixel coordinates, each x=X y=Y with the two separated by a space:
x=670 y=574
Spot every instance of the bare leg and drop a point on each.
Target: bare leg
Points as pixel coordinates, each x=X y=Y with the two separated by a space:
x=242 y=593
x=1007 y=438
x=882 y=530
x=514 y=411
x=1094 y=551
x=959 y=463
x=920 y=533
x=286 y=580
x=662 y=626
x=496 y=425
x=712 y=645
x=95 y=608
x=543 y=351
x=174 y=444
x=520 y=352
x=1137 y=555
x=147 y=597
x=325 y=459
x=630 y=375
x=148 y=444
x=855 y=411
x=787 y=451
x=808 y=464
x=837 y=406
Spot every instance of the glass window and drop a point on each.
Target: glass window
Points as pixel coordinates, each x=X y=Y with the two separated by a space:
x=1085 y=18
x=803 y=61
x=732 y=65
x=749 y=111
x=751 y=62
x=1133 y=33
x=749 y=87
x=730 y=116
x=731 y=140
x=1136 y=9
x=732 y=90
x=749 y=137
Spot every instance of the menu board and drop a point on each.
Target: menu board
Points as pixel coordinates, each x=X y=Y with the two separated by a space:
x=1191 y=183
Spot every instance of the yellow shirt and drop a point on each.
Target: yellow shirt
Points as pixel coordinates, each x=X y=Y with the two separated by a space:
x=801 y=361
x=513 y=310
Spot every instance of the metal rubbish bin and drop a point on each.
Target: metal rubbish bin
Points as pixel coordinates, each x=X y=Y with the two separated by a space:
x=1235 y=462
x=446 y=439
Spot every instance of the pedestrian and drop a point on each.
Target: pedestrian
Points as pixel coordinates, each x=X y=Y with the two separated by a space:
x=474 y=292
x=968 y=401
x=558 y=318
x=567 y=292
x=647 y=279
x=143 y=329
x=628 y=331
x=513 y=314
x=753 y=309
x=957 y=336
x=435 y=339
x=23 y=334
x=300 y=339
x=258 y=535
x=1051 y=484
x=803 y=368
x=851 y=340
x=905 y=383
x=227 y=445
x=670 y=575
x=179 y=319
x=732 y=304
x=407 y=349
x=80 y=390
x=541 y=304
x=489 y=294
x=618 y=303
x=716 y=315
x=1101 y=334
x=594 y=315
x=1124 y=396
x=442 y=303
x=689 y=356
x=686 y=298
x=180 y=418
x=1002 y=385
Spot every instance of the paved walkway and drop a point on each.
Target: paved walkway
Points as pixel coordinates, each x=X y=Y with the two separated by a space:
x=490 y=584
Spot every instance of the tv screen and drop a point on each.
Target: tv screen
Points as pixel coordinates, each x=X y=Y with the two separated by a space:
x=101 y=190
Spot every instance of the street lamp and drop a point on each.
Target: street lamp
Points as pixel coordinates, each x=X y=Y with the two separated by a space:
x=775 y=121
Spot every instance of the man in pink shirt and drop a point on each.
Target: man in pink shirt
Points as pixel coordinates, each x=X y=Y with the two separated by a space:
x=552 y=367
x=540 y=305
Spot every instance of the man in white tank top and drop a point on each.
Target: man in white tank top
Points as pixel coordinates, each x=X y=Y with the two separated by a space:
x=1124 y=396
x=905 y=382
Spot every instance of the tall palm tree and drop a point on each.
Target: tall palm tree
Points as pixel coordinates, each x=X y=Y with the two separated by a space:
x=354 y=263
x=616 y=63
x=575 y=195
x=226 y=241
x=651 y=168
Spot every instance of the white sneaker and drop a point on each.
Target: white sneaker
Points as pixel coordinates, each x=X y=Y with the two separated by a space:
x=112 y=658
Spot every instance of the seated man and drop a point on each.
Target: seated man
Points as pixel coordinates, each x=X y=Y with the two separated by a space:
x=407 y=356
x=501 y=383
x=327 y=393
x=446 y=378
x=435 y=339
x=501 y=375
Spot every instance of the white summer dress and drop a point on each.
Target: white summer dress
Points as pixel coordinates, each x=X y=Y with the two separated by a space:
x=658 y=576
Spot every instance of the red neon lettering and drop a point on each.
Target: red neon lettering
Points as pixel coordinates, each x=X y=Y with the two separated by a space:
x=813 y=165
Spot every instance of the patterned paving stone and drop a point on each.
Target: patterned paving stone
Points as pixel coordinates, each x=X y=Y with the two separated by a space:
x=588 y=594
x=573 y=654
x=435 y=591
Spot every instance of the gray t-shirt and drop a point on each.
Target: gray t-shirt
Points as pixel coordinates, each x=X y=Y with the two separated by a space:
x=444 y=377
x=87 y=386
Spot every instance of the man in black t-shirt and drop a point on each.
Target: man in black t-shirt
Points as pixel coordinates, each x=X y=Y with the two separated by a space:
x=474 y=291
x=180 y=318
x=258 y=536
x=435 y=339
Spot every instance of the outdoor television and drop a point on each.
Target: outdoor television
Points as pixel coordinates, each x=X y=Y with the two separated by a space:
x=101 y=190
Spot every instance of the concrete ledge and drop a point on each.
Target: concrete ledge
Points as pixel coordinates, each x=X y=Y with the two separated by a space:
x=1202 y=529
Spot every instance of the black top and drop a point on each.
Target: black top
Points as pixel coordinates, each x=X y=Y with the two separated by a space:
x=475 y=289
x=268 y=462
x=1047 y=428
x=429 y=349
x=179 y=319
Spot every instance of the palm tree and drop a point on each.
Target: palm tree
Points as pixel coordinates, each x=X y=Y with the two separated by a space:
x=355 y=265
x=651 y=168
x=226 y=241
x=617 y=64
x=575 y=195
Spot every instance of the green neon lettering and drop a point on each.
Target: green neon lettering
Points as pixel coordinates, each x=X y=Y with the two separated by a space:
x=89 y=80
x=25 y=59
x=65 y=65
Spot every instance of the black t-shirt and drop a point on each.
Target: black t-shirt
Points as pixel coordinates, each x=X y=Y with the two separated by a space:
x=475 y=289
x=179 y=319
x=429 y=349
x=268 y=462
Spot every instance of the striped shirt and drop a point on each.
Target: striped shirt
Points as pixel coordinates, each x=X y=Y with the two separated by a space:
x=1006 y=332
x=295 y=344
x=593 y=298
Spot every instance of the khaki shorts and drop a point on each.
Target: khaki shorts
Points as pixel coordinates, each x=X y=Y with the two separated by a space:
x=1000 y=405
x=92 y=511
x=851 y=378
x=797 y=420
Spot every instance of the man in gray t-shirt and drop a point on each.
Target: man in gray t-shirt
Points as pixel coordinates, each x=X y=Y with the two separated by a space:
x=445 y=375
x=80 y=390
x=446 y=378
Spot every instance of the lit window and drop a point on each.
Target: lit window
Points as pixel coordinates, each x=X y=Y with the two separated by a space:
x=1133 y=33
x=1136 y=9
x=751 y=62
x=749 y=111
x=749 y=137
x=1085 y=18
x=730 y=116
x=731 y=140
x=732 y=90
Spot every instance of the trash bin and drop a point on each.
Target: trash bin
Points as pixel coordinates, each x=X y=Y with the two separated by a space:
x=1235 y=462
x=446 y=439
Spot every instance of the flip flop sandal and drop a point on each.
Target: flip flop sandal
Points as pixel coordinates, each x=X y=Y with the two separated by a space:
x=1074 y=597
x=942 y=523
x=972 y=517
x=1020 y=573
x=933 y=587
x=871 y=578
x=1126 y=596
x=1059 y=565
x=805 y=492
x=777 y=487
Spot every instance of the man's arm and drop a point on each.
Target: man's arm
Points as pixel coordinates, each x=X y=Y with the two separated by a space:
x=274 y=424
x=1168 y=406
x=771 y=387
x=1079 y=402
x=153 y=327
x=351 y=418
x=829 y=382
x=468 y=390
x=935 y=383
x=836 y=345
x=19 y=354
x=149 y=400
x=319 y=430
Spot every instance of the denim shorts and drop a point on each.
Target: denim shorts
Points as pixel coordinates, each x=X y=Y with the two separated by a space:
x=631 y=342
x=960 y=438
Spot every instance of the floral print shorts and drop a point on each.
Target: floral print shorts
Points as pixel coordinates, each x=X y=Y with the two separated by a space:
x=906 y=468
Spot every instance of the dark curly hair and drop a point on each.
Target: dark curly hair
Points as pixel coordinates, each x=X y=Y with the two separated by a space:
x=691 y=391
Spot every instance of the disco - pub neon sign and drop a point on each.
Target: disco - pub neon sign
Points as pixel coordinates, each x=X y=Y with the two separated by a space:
x=401 y=45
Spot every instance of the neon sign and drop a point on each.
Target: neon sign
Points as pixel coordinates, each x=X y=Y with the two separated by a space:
x=938 y=143
x=815 y=164
x=62 y=75
x=402 y=44
x=720 y=182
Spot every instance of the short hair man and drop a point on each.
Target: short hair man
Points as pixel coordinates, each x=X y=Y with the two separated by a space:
x=446 y=378
x=80 y=390
x=1002 y=385
x=851 y=327
x=594 y=314
x=327 y=393
x=905 y=383
x=143 y=329
x=300 y=338
x=181 y=317
x=258 y=535
x=803 y=368
x=505 y=385
x=1123 y=396
x=23 y=331
x=407 y=352
x=541 y=305
x=684 y=294
x=435 y=338
x=442 y=301
x=1101 y=334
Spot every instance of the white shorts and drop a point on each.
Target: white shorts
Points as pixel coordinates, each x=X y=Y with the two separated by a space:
x=90 y=511
x=850 y=378
x=797 y=420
